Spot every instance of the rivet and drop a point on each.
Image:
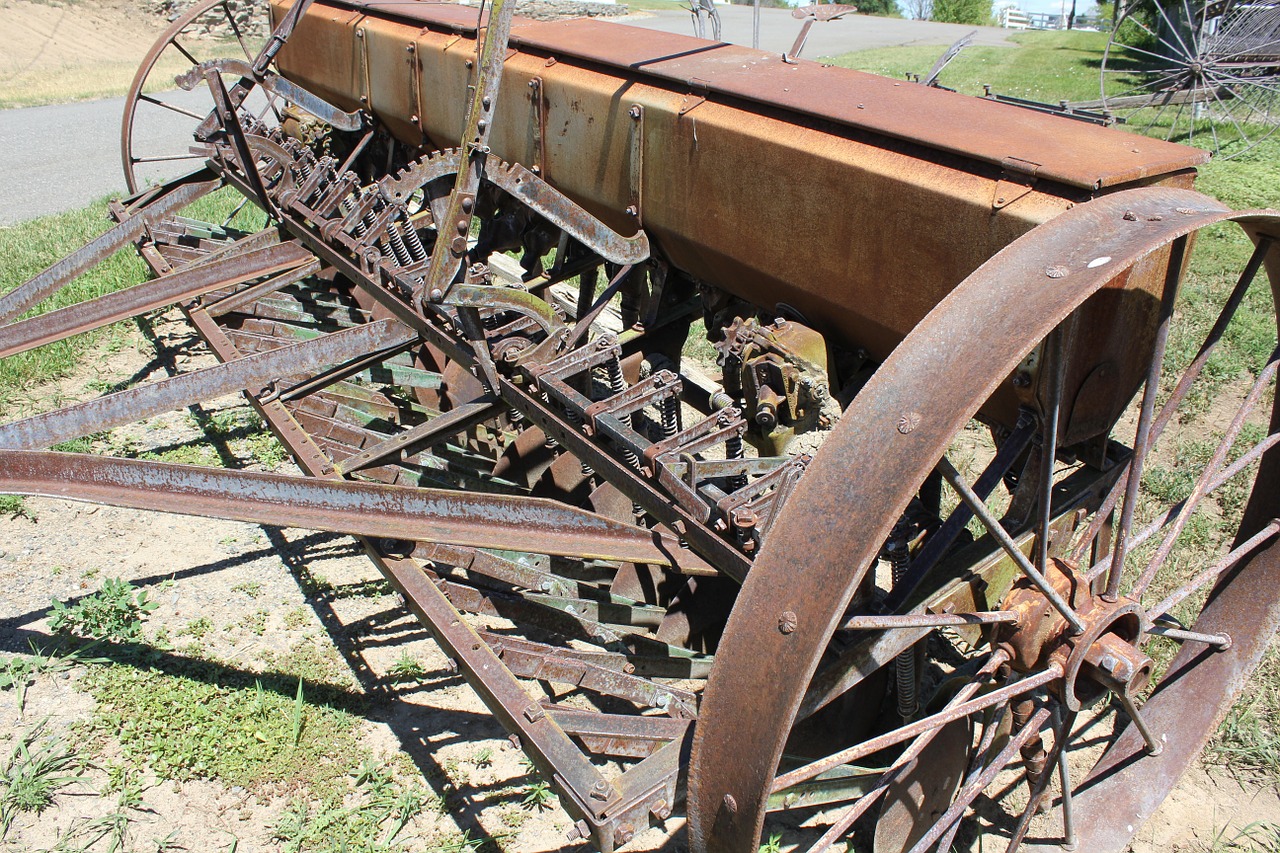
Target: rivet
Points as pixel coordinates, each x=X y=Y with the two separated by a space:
x=730 y=804
x=1056 y=271
x=1130 y=216
x=908 y=422
x=1185 y=210
x=787 y=622
x=463 y=226
x=459 y=245
x=436 y=295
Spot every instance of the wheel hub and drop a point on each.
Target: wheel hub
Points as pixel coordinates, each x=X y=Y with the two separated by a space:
x=1104 y=658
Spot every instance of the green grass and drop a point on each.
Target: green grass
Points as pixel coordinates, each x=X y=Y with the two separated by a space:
x=29 y=247
x=1044 y=66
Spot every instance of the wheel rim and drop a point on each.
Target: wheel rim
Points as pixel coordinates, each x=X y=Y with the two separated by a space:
x=870 y=469
x=1208 y=77
x=171 y=115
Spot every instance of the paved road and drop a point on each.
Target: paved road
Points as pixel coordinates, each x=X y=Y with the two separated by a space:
x=62 y=157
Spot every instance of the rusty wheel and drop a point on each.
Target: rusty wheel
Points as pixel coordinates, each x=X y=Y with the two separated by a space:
x=159 y=118
x=1044 y=640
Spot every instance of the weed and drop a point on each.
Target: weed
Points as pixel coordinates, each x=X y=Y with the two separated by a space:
x=298 y=705
x=33 y=773
x=295 y=618
x=773 y=845
x=538 y=797
x=219 y=724
x=253 y=589
x=406 y=668
x=197 y=628
x=15 y=507
x=483 y=758
x=115 y=612
x=19 y=672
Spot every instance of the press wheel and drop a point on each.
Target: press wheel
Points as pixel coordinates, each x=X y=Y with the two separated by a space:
x=965 y=357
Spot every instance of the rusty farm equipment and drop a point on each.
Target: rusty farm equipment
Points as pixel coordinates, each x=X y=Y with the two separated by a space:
x=906 y=541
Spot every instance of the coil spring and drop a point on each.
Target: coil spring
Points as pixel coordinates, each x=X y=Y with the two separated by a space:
x=905 y=663
x=733 y=450
x=670 y=411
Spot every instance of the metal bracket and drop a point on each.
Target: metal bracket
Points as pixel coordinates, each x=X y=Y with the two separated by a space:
x=1017 y=179
x=637 y=164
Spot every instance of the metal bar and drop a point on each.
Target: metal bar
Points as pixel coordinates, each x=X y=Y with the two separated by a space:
x=140 y=298
x=363 y=509
x=1144 y=434
x=242 y=298
x=172 y=197
x=450 y=423
x=1185 y=382
x=144 y=401
x=1206 y=477
x=1001 y=535
x=977 y=786
x=1215 y=571
x=926 y=620
x=898 y=735
x=338 y=373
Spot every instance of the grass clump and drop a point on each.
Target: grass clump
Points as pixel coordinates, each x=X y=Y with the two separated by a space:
x=36 y=769
x=115 y=612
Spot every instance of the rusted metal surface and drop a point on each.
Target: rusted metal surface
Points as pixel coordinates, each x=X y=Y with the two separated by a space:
x=391 y=512
x=513 y=444
x=841 y=523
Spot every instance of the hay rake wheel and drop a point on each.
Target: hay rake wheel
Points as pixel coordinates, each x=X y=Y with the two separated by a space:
x=1206 y=74
x=783 y=657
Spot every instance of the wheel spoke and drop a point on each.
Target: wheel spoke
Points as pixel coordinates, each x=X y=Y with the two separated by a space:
x=1049 y=445
x=1221 y=642
x=1143 y=439
x=184 y=51
x=927 y=620
x=168 y=106
x=996 y=529
x=903 y=733
x=235 y=28
x=1215 y=571
x=165 y=158
x=1183 y=387
x=941 y=541
x=971 y=791
x=1207 y=475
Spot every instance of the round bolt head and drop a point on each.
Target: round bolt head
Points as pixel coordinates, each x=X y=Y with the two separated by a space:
x=787 y=622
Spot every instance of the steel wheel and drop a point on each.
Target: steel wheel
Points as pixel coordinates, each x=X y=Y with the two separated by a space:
x=795 y=642
x=1205 y=75
x=160 y=119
